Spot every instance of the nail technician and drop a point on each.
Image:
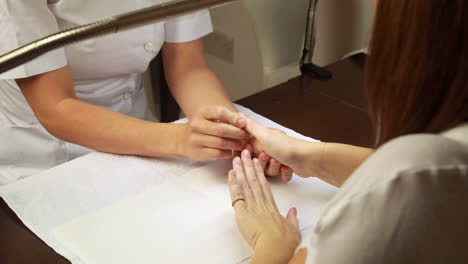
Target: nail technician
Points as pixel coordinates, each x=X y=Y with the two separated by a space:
x=89 y=96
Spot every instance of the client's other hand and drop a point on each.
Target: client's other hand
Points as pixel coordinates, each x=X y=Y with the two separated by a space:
x=257 y=215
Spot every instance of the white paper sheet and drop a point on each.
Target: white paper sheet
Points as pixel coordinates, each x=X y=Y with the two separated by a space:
x=79 y=196
x=170 y=223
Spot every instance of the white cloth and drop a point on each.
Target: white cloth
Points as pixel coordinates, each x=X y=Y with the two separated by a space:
x=57 y=203
x=407 y=203
x=105 y=71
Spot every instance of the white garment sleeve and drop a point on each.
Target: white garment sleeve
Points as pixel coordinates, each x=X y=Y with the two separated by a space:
x=24 y=21
x=188 y=28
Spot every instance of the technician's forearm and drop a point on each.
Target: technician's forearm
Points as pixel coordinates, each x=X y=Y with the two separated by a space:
x=197 y=88
x=108 y=131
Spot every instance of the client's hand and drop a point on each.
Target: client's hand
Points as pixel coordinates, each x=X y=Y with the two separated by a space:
x=271 y=166
x=272 y=236
x=304 y=158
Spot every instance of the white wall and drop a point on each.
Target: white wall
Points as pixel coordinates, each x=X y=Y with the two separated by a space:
x=245 y=75
x=268 y=37
x=343 y=26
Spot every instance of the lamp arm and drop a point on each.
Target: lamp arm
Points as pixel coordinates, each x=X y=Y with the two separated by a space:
x=115 y=24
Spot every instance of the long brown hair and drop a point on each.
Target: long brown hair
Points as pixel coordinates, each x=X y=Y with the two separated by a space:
x=417 y=71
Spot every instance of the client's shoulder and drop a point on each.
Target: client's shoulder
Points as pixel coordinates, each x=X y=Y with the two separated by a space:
x=423 y=150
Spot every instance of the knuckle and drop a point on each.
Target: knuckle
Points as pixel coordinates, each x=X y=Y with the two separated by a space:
x=219 y=110
x=225 y=144
x=193 y=125
x=203 y=110
x=221 y=131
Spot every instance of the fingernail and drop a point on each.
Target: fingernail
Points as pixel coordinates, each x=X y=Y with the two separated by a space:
x=246 y=154
x=256 y=162
x=237 y=161
x=240 y=121
x=263 y=156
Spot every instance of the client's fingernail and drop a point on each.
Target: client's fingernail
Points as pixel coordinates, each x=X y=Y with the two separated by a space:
x=240 y=121
x=237 y=161
x=256 y=162
x=246 y=154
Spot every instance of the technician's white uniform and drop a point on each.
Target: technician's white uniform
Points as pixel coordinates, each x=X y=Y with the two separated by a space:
x=106 y=71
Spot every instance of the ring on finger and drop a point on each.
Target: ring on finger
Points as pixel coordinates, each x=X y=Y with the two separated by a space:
x=237 y=200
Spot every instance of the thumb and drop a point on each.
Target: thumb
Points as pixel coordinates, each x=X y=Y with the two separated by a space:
x=292 y=217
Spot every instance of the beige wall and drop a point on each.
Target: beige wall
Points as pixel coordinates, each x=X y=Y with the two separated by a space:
x=268 y=37
x=263 y=39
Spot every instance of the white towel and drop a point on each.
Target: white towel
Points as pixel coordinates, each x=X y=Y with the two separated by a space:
x=61 y=204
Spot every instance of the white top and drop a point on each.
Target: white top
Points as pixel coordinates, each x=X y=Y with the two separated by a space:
x=407 y=203
x=106 y=71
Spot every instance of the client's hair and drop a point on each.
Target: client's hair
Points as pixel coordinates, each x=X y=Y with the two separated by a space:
x=417 y=71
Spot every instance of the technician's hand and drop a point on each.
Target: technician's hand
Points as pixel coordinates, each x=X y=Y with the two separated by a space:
x=212 y=134
x=257 y=215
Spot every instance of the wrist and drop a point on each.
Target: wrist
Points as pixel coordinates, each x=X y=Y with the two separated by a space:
x=179 y=144
x=274 y=251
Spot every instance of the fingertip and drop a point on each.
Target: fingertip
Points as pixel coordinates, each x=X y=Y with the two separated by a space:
x=286 y=171
x=246 y=154
x=263 y=156
x=292 y=216
x=294 y=211
x=249 y=147
x=236 y=161
x=274 y=162
x=256 y=163
x=241 y=122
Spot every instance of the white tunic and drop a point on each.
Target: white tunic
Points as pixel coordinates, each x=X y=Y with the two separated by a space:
x=408 y=203
x=106 y=71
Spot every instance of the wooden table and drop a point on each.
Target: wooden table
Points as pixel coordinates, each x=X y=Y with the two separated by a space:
x=328 y=111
